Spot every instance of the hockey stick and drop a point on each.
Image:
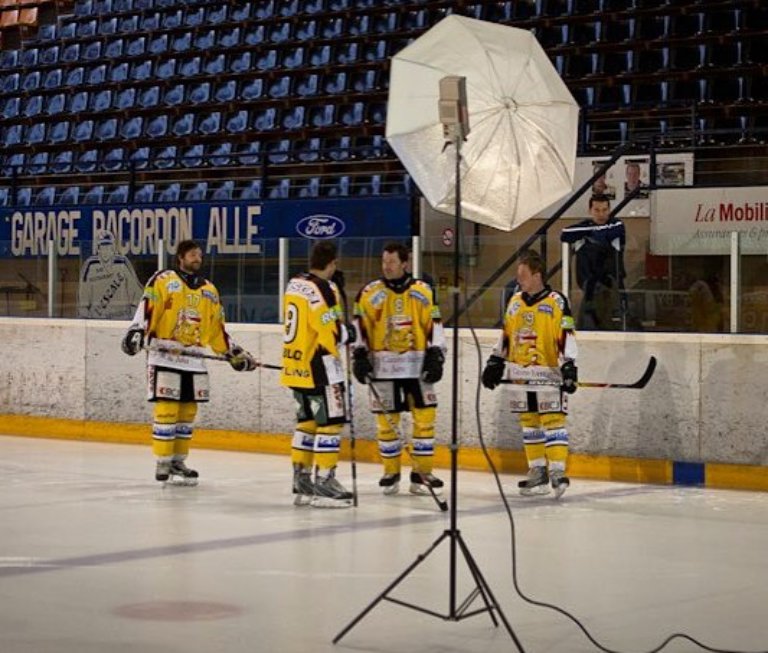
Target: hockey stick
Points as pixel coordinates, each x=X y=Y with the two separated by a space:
x=637 y=385
x=352 y=438
x=441 y=503
x=212 y=357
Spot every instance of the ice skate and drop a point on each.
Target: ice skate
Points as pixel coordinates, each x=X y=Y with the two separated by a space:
x=329 y=493
x=560 y=483
x=162 y=471
x=181 y=474
x=390 y=483
x=419 y=483
x=303 y=488
x=537 y=483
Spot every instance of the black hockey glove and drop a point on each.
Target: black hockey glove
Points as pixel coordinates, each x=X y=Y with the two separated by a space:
x=348 y=334
x=133 y=341
x=493 y=372
x=570 y=377
x=240 y=360
x=338 y=278
x=361 y=365
x=432 y=370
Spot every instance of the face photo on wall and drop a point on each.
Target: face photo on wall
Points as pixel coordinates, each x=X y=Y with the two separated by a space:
x=671 y=173
x=604 y=184
x=636 y=176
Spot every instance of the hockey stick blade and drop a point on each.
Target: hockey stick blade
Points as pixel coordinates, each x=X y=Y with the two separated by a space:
x=211 y=357
x=637 y=385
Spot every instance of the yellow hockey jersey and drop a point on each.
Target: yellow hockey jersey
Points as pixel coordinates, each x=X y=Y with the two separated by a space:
x=313 y=332
x=176 y=317
x=538 y=330
x=397 y=326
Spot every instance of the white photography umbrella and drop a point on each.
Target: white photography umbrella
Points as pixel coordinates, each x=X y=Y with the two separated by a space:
x=520 y=155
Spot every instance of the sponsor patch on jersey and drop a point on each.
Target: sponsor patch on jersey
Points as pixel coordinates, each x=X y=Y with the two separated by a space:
x=210 y=295
x=514 y=307
x=567 y=322
x=419 y=296
x=379 y=298
x=328 y=316
x=306 y=289
x=544 y=308
x=174 y=286
x=559 y=300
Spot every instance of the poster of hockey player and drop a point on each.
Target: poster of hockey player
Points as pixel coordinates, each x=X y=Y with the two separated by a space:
x=109 y=288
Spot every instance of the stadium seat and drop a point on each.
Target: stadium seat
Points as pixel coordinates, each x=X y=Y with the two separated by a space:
x=69 y=196
x=45 y=196
x=113 y=160
x=339 y=188
x=125 y=98
x=12 y=135
x=184 y=125
x=224 y=191
x=59 y=132
x=97 y=75
x=267 y=61
x=197 y=192
x=339 y=149
x=215 y=66
x=132 y=128
x=281 y=87
x=265 y=119
x=139 y=158
x=252 y=190
x=200 y=93
x=83 y=131
x=142 y=70
x=335 y=83
x=365 y=81
x=352 y=115
x=9 y=59
x=229 y=38
x=35 y=133
x=237 y=122
x=174 y=95
x=158 y=44
x=108 y=26
x=87 y=161
x=94 y=195
x=170 y=193
x=251 y=154
x=106 y=129
x=226 y=92
x=307 y=85
x=37 y=164
x=150 y=22
x=253 y=89
x=306 y=30
x=359 y=25
x=12 y=105
x=194 y=16
x=281 y=190
x=11 y=83
x=52 y=78
x=119 y=72
x=264 y=9
x=322 y=116
x=28 y=58
x=30 y=81
x=182 y=42
x=145 y=194
x=172 y=19
x=13 y=163
x=70 y=53
x=210 y=124
x=279 y=151
x=219 y=155
x=294 y=118
x=310 y=188
x=33 y=106
x=332 y=28
x=92 y=51
x=280 y=32
x=61 y=162
x=347 y=54
x=205 y=40
x=309 y=150
x=165 y=158
x=149 y=97
x=137 y=46
x=216 y=14
x=254 y=35
x=240 y=63
x=167 y=69
x=240 y=12
x=101 y=100
x=118 y=195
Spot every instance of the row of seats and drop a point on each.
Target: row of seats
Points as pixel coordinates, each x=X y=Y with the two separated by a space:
x=315 y=149
x=215 y=122
x=343 y=186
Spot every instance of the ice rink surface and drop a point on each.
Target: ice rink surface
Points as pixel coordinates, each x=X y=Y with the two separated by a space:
x=96 y=557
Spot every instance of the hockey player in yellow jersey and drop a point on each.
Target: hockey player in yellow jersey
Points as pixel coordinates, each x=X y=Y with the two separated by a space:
x=311 y=368
x=537 y=350
x=180 y=316
x=400 y=348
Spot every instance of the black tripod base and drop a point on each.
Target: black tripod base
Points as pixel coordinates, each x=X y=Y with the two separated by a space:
x=455 y=613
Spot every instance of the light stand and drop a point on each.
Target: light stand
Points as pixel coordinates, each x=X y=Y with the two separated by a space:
x=453 y=115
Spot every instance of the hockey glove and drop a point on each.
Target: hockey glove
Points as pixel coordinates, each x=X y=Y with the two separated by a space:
x=570 y=377
x=348 y=333
x=361 y=365
x=493 y=372
x=432 y=371
x=338 y=279
x=133 y=341
x=240 y=360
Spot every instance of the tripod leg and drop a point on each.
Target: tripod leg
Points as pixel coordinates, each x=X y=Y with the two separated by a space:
x=490 y=600
x=390 y=587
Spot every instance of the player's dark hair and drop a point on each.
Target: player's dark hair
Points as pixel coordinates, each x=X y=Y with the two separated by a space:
x=323 y=253
x=403 y=253
x=533 y=260
x=599 y=198
x=184 y=247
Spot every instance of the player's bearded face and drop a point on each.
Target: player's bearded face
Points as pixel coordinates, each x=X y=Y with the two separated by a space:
x=192 y=261
x=391 y=266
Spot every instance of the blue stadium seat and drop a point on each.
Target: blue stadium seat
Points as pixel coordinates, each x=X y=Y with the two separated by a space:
x=4 y=195
x=251 y=154
x=322 y=116
x=371 y=147
x=119 y=72
x=237 y=122
x=416 y=20
x=226 y=91
x=139 y=158
x=87 y=161
x=83 y=8
x=144 y=194
x=320 y=56
x=114 y=49
x=94 y=195
x=205 y=40
x=240 y=63
x=149 y=97
x=106 y=129
x=157 y=126
x=307 y=85
x=141 y=70
x=376 y=51
x=159 y=44
x=216 y=65
x=12 y=105
x=13 y=163
x=167 y=69
x=137 y=46
x=287 y=7
x=118 y=195
x=312 y=6
x=184 y=125
x=339 y=187
x=108 y=26
x=12 y=135
x=70 y=53
x=31 y=81
x=92 y=51
x=219 y=155
x=332 y=28
x=47 y=31
x=172 y=19
x=132 y=128
x=264 y=9
x=241 y=12
x=267 y=61
x=338 y=5
x=265 y=119
x=216 y=14
x=253 y=89
x=33 y=106
x=347 y=53
x=52 y=78
x=252 y=190
x=37 y=163
x=125 y=98
x=279 y=151
x=194 y=16
x=67 y=30
x=281 y=190
x=9 y=59
x=223 y=192
x=24 y=196
x=182 y=42
x=28 y=58
x=294 y=57
x=11 y=83
x=170 y=193
x=254 y=35
x=377 y=113
x=339 y=149
x=306 y=30
x=35 y=133
x=190 y=67
x=165 y=158
x=294 y=118
x=367 y=185
x=311 y=188
x=309 y=150
x=101 y=100
x=45 y=196
x=229 y=38
x=281 y=87
x=97 y=75
x=197 y=192
x=83 y=131
x=59 y=132
x=335 y=83
x=210 y=124
x=280 y=32
x=61 y=162
x=69 y=196
x=359 y=25
x=150 y=22
x=113 y=160
x=174 y=95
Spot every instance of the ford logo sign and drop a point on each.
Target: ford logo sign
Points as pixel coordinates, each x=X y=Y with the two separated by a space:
x=320 y=226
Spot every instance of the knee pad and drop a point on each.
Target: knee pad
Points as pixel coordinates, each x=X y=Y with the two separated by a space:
x=550 y=421
x=166 y=412
x=424 y=422
x=531 y=420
